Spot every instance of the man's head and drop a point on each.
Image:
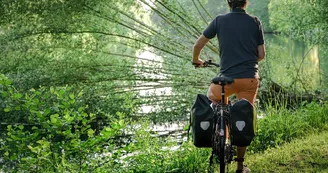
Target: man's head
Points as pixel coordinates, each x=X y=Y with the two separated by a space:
x=237 y=3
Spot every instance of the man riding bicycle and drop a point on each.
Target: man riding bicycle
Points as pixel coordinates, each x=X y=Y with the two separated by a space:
x=241 y=43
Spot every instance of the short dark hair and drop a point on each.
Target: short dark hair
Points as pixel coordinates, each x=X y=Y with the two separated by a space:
x=237 y=3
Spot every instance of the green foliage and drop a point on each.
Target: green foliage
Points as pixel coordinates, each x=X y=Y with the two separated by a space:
x=282 y=125
x=58 y=133
x=306 y=19
x=109 y=49
x=260 y=9
x=153 y=154
x=292 y=64
x=84 y=51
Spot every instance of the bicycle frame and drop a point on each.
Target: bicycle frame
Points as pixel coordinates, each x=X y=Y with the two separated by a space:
x=222 y=124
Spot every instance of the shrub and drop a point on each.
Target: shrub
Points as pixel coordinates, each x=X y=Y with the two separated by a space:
x=57 y=135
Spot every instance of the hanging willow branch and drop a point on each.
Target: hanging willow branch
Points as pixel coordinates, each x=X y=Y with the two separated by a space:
x=175 y=25
x=183 y=19
x=161 y=70
x=134 y=28
x=197 y=32
x=208 y=14
x=151 y=29
x=96 y=32
x=200 y=14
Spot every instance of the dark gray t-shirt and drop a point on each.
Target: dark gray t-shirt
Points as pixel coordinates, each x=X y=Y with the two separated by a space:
x=239 y=35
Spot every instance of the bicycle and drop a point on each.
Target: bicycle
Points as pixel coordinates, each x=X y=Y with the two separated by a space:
x=222 y=150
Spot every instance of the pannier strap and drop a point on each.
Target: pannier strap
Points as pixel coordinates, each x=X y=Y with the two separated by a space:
x=189 y=127
x=188 y=133
x=239 y=159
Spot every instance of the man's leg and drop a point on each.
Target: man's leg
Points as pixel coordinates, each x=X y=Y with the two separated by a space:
x=247 y=88
x=240 y=155
x=214 y=92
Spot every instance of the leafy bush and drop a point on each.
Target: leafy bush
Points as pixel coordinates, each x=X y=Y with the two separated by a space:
x=58 y=133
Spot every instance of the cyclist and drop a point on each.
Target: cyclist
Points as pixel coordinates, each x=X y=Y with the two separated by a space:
x=241 y=44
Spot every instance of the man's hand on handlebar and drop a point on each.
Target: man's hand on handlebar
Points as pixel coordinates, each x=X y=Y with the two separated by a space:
x=199 y=63
x=208 y=63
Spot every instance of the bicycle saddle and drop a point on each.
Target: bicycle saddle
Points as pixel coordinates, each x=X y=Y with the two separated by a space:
x=222 y=80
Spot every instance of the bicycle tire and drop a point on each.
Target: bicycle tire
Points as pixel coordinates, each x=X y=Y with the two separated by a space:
x=222 y=149
x=214 y=159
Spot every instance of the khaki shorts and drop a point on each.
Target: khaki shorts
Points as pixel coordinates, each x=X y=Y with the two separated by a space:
x=243 y=88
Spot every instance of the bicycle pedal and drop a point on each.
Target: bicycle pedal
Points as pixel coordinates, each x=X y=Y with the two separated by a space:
x=229 y=153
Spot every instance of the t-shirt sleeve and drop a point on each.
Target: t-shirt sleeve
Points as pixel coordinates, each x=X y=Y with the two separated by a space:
x=210 y=31
x=260 y=38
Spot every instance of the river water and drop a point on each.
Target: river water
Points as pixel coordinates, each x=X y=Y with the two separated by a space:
x=297 y=65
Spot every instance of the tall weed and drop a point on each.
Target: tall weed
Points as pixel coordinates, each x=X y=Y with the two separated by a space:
x=282 y=125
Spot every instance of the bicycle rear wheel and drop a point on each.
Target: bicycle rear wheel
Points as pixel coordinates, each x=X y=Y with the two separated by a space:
x=222 y=139
x=222 y=155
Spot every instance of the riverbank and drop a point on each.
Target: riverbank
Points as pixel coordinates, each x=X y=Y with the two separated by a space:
x=308 y=154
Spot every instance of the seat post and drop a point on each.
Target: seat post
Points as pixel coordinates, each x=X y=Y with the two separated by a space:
x=222 y=94
x=222 y=98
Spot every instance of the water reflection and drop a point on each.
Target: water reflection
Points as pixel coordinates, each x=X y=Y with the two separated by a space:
x=294 y=64
x=150 y=88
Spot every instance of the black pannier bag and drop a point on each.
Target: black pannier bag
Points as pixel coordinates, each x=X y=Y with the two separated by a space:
x=243 y=123
x=201 y=121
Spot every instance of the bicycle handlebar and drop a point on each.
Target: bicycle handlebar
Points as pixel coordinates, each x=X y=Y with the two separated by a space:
x=207 y=63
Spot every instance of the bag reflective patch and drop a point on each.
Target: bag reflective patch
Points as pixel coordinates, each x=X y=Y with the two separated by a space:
x=240 y=125
x=205 y=125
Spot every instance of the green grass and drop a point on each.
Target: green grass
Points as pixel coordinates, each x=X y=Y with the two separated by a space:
x=283 y=125
x=308 y=155
x=287 y=141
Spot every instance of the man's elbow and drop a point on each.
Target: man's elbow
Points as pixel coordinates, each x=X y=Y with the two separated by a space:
x=261 y=56
x=200 y=43
x=261 y=52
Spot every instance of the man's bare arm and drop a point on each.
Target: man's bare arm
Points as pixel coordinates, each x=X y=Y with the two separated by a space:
x=198 y=46
x=261 y=52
